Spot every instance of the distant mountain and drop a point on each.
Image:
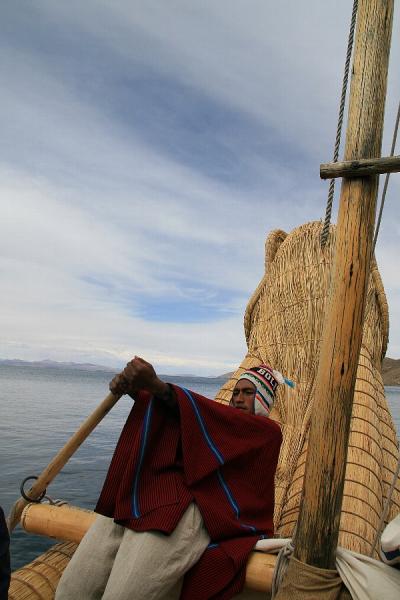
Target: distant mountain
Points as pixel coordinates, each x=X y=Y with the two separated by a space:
x=226 y=375
x=53 y=364
x=391 y=371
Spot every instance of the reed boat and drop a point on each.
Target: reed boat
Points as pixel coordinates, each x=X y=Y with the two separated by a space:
x=320 y=315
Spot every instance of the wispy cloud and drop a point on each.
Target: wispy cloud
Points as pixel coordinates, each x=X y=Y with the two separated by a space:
x=146 y=151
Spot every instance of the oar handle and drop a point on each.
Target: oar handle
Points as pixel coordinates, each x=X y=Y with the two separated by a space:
x=61 y=458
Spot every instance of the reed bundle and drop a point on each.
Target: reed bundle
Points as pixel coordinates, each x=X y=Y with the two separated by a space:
x=283 y=326
x=39 y=579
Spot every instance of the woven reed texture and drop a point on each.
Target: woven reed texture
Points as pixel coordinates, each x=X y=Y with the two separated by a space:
x=38 y=580
x=283 y=326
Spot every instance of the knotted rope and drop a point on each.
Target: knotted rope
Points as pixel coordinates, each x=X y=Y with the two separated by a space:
x=281 y=566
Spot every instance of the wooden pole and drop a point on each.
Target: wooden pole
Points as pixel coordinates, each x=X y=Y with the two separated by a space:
x=318 y=525
x=360 y=168
x=61 y=458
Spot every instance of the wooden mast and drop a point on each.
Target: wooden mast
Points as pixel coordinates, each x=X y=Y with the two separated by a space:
x=318 y=525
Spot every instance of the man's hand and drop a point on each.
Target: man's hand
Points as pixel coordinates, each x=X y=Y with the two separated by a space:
x=138 y=375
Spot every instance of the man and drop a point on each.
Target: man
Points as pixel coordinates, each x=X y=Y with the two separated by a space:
x=190 y=491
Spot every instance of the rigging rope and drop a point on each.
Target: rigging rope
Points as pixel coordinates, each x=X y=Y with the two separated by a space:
x=396 y=129
x=397 y=471
x=328 y=214
x=281 y=565
x=386 y=507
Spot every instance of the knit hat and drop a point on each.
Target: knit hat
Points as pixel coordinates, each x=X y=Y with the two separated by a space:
x=266 y=380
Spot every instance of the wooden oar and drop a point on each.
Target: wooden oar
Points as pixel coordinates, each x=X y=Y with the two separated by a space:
x=61 y=458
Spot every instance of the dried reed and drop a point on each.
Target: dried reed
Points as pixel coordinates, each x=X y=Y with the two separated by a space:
x=283 y=326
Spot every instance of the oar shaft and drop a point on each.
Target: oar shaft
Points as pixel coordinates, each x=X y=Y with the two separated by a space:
x=61 y=458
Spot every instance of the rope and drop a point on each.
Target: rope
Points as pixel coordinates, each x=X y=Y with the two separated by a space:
x=13 y=517
x=328 y=213
x=397 y=472
x=281 y=566
x=386 y=508
x=396 y=129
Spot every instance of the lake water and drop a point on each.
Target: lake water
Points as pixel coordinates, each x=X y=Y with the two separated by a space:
x=40 y=409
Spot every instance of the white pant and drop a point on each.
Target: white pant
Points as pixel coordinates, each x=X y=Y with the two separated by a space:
x=116 y=563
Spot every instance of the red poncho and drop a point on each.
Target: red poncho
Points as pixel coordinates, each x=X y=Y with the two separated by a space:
x=219 y=457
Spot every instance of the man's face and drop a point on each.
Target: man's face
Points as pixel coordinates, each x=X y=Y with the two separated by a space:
x=243 y=396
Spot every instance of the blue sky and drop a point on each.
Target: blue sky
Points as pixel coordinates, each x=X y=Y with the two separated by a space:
x=147 y=149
